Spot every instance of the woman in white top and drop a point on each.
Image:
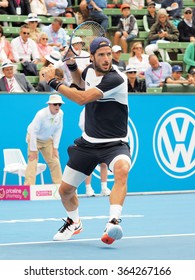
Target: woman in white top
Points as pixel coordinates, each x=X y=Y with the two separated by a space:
x=138 y=58
x=38 y=7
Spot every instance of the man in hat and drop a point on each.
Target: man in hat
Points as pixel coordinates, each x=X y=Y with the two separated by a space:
x=127 y=28
x=176 y=77
x=43 y=135
x=12 y=81
x=116 y=53
x=104 y=139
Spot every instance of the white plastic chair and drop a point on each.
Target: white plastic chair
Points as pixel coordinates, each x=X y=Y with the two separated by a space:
x=15 y=163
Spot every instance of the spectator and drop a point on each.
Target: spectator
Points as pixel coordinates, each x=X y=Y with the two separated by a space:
x=150 y=18
x=56 y=8
x=43 y=47
x=134 y=83
x=127 y=28
x=52 y=58
x=38 y=7
x=116 y=53
x=43 y=135
x=18 y=7
x=135 y=4
x=96 y=12
x=189 y=57
x=84 y=59
x=12 y=81
x=84 y=10
x=156 y=74
x=139 y=59
x=56 y=34
x=174 y=9
x=3 y=7
x=43 y=85
x=33 y=22
x=161 y=31
x=5 y=47
x=176 y=77
x=186 y=28
x=24 y=48
x=157 y=2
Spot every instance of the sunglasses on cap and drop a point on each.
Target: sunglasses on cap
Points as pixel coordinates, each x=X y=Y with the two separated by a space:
x=57 y=104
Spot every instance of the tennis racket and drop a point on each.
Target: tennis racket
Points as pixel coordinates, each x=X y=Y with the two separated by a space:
x=80 y=41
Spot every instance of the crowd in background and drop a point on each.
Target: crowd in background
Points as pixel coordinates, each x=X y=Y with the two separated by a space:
x=148 y=65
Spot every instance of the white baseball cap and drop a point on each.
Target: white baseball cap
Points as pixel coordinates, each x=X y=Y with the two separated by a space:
x=116 y=48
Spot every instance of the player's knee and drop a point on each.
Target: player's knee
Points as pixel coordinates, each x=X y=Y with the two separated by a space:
x=121 y=169
x=66 y=191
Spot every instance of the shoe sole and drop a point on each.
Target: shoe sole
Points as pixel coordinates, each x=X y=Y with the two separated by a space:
x=113 y=234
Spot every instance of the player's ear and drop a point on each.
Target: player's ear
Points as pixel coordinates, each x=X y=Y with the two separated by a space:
x=92 y=57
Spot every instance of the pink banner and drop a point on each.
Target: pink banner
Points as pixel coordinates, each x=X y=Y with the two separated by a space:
x=14 y=192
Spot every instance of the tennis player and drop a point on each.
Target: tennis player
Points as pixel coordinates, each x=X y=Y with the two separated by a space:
x=104 y=138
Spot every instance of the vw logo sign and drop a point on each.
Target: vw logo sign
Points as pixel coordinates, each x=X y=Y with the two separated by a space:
x=174 y=142
x=134 y=144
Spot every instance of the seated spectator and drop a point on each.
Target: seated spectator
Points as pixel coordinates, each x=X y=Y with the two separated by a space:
x=33 y=22
x=127 y=28
x=189 y=57
x=150 y=18
x=21 y=7
x=134 y=83
x=95 y=8
x=12 y=81
x=116 y=53
x=156 y=74
x=157 y=2
x=52 y=58
x=192 y=74
x=43 y=47
x=176 y=77
x=56 y=34
x=84 y=59
x=38 y=7
x=139 y=59
x=84 y=10
x=24 y=48
x=174 y=9
x=3 y=7
x=43 y=85
x=56 y=8
x=135 y=4
x=186 y=28
x=5 y=47
x=161 y=31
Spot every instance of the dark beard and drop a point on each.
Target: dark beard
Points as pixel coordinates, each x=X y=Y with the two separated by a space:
x=98 y=69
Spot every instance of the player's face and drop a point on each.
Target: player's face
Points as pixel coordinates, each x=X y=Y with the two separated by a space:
x=102 y=60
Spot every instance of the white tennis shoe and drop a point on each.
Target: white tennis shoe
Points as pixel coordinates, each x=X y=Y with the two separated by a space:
x=105 y=191
x=68 y=230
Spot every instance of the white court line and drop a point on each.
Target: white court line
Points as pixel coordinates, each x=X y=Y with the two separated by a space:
x=59 y=219
x=97 y=239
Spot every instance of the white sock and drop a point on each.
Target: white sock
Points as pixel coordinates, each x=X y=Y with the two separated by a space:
x=103 y=185
x=88 y=186
x=74 y=215
x=115 y=211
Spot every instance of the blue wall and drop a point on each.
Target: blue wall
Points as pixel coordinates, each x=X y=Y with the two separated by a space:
x=161 y=162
